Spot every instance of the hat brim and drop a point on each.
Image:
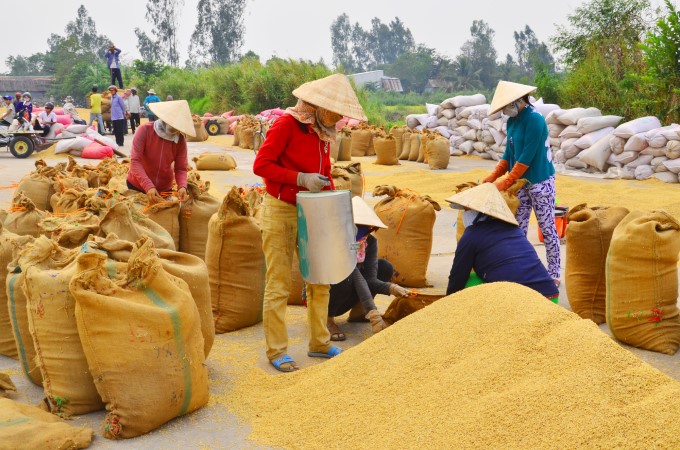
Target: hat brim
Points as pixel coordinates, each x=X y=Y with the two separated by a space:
x=333 y=93
x=175 y=113
x=508 y=92
x=365 y=215
x=485 y=199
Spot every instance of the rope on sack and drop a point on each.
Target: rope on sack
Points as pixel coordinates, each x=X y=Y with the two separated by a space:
x=167 y=194
x=11 y=186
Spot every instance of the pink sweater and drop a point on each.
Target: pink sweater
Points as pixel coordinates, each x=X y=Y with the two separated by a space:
x=151 y=161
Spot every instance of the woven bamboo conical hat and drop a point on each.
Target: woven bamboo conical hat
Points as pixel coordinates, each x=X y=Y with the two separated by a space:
x=176 y=114
x=506 y=93
x=334 y=93
x=364 y=214
x=486 y=199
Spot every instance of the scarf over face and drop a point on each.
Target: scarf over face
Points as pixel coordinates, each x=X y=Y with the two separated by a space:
x=308 y=114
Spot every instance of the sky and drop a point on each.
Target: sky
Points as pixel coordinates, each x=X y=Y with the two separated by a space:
x=291 y=28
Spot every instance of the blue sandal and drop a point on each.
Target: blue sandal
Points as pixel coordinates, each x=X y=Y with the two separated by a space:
x=334 y=351
x=285 y=359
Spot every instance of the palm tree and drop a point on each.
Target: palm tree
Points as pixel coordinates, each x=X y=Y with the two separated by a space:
x=465 y=77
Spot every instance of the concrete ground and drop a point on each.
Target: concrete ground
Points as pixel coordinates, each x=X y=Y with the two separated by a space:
x=214 y=426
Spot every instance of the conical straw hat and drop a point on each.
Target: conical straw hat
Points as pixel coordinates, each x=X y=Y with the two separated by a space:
x=364 y=214
x=486 y=199
x=506 y=93
x=176 y=114
x=334 y=93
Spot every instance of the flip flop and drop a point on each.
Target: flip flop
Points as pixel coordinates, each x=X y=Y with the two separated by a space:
x=336 y=332
x=285 y=359
x=334 y=351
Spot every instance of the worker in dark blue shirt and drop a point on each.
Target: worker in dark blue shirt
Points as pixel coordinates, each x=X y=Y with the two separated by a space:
x=493 y=246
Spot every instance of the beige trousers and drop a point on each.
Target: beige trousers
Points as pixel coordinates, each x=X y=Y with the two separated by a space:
x=279 y=241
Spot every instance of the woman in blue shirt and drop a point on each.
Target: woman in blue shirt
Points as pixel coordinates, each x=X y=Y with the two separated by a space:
x=527 y=155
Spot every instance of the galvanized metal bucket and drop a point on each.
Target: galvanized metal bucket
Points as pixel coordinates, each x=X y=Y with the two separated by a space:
x=327 y=246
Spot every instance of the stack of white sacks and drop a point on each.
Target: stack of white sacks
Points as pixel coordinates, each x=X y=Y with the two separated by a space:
x=464 y=120
x=580 y=138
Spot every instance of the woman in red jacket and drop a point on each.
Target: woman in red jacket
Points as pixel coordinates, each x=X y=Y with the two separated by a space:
x=295 y=156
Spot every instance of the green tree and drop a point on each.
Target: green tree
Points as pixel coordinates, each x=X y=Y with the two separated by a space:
x=83 y=28
x=482 y=53
x=26 y=65
x=530 y=52
x=620 y=23
x=162 y=45
x=415 y=68
x=341 y=43
x=218 y=36
x=465 y=75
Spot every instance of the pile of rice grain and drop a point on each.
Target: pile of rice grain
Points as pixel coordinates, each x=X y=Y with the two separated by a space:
x=493 y=366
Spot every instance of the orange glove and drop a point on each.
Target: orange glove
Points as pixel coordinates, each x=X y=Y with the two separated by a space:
x=499 y=171
x=514 y=175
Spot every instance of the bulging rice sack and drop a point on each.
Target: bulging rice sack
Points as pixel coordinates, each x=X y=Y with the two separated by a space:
x=215 y=161
x=201 y=132
x=25 y=426
x=361 y=141
x=194 y=216
x=38 y=185
x=407 y=242
x=17 y=306
x=235 y=265
x=71 y=230
x=386 y=149
x=414 y=147
x=129 y=224
x=67 y=382
x=356 y=176
x=439 y=153
x=147 y=358
x=642 y=281
x=405 y=145
x=23 y=217
x=588 y=237
x=341 y=179
x=405 y=306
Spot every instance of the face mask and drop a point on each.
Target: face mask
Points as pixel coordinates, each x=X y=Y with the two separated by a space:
x=512 y=109
x=469 y=217
x=327 y=118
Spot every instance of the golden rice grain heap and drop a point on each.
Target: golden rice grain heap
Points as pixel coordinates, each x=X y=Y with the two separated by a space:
x=492 y=366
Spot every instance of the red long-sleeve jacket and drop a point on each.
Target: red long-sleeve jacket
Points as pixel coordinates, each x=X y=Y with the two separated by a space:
x=290 y=148
x=151 y=161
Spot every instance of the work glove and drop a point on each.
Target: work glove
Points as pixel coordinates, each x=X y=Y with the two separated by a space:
x=312 y=181
x=514 y=175
x=377 y=322
x=499 y=171
x=398 y=291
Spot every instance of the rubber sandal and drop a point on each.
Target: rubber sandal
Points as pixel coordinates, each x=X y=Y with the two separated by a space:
x=336 y=337
x=335 y=331
x=334 y=351
x=285 y=359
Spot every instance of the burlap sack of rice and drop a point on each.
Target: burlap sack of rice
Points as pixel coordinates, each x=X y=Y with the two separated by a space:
x=189 y=268
x=215 y=161
x=165 y=214
x=129 y=224
x=356 y=176
x=71 y=230
x=414 y=149
x=341 y=147
x=405 y=145
x=424 y=147
x=10 y=244
x=237 y=135
x=642 y=281
x=201 y=132
x=588 y=237
x=407 y=242
x=151 y=317
x=235 y=265
x=37 y=185
x=509 y=195
x=68 y=201
x=6 y=385
x=253 y=195
x=439 y=153
x=386 y=149
x=405 y=306
x=341 y=179
x=25 y=426
x=24 y=217
x=67 y=382
x=398 y=132
x=361 y=141
x=17 y=306
x=194 y=216
x=247 y=137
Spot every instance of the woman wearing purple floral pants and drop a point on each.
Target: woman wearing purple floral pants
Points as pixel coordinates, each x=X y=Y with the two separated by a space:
x=527 y=155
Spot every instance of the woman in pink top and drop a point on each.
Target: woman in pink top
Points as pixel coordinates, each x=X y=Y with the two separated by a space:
x=156 y=146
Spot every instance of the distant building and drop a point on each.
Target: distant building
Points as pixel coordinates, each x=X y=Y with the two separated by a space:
x=37 y=86
x=378 y=80
x=438 y=85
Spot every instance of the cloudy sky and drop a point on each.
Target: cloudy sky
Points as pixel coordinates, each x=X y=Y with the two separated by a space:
x=290 y=28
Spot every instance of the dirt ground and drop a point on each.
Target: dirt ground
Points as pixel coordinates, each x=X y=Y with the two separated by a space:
x=236 y=354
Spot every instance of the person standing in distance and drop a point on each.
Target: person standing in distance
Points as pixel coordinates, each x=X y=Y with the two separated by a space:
x=151 y=98
x=133 y=107
x=118 y=115
x=96 y=110
x=113 y=63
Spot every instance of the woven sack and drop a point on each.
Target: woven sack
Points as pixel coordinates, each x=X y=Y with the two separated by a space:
x=201 y=132
x=405 y=145
x=28 y=427
x=386 y=149
x=588 y=237
x=23 y=217
x=356 y=177
x=414 y=149
x=439 y=153
x=405 y=306
x=71 y=230
x=147 y=356
x=398 y=132
x=130 y=225
x=215 y=161
x=361 y=142
x=407 y=242
x=341 y=179
x=193 y=220
x=235 y=265
x=642 y=281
